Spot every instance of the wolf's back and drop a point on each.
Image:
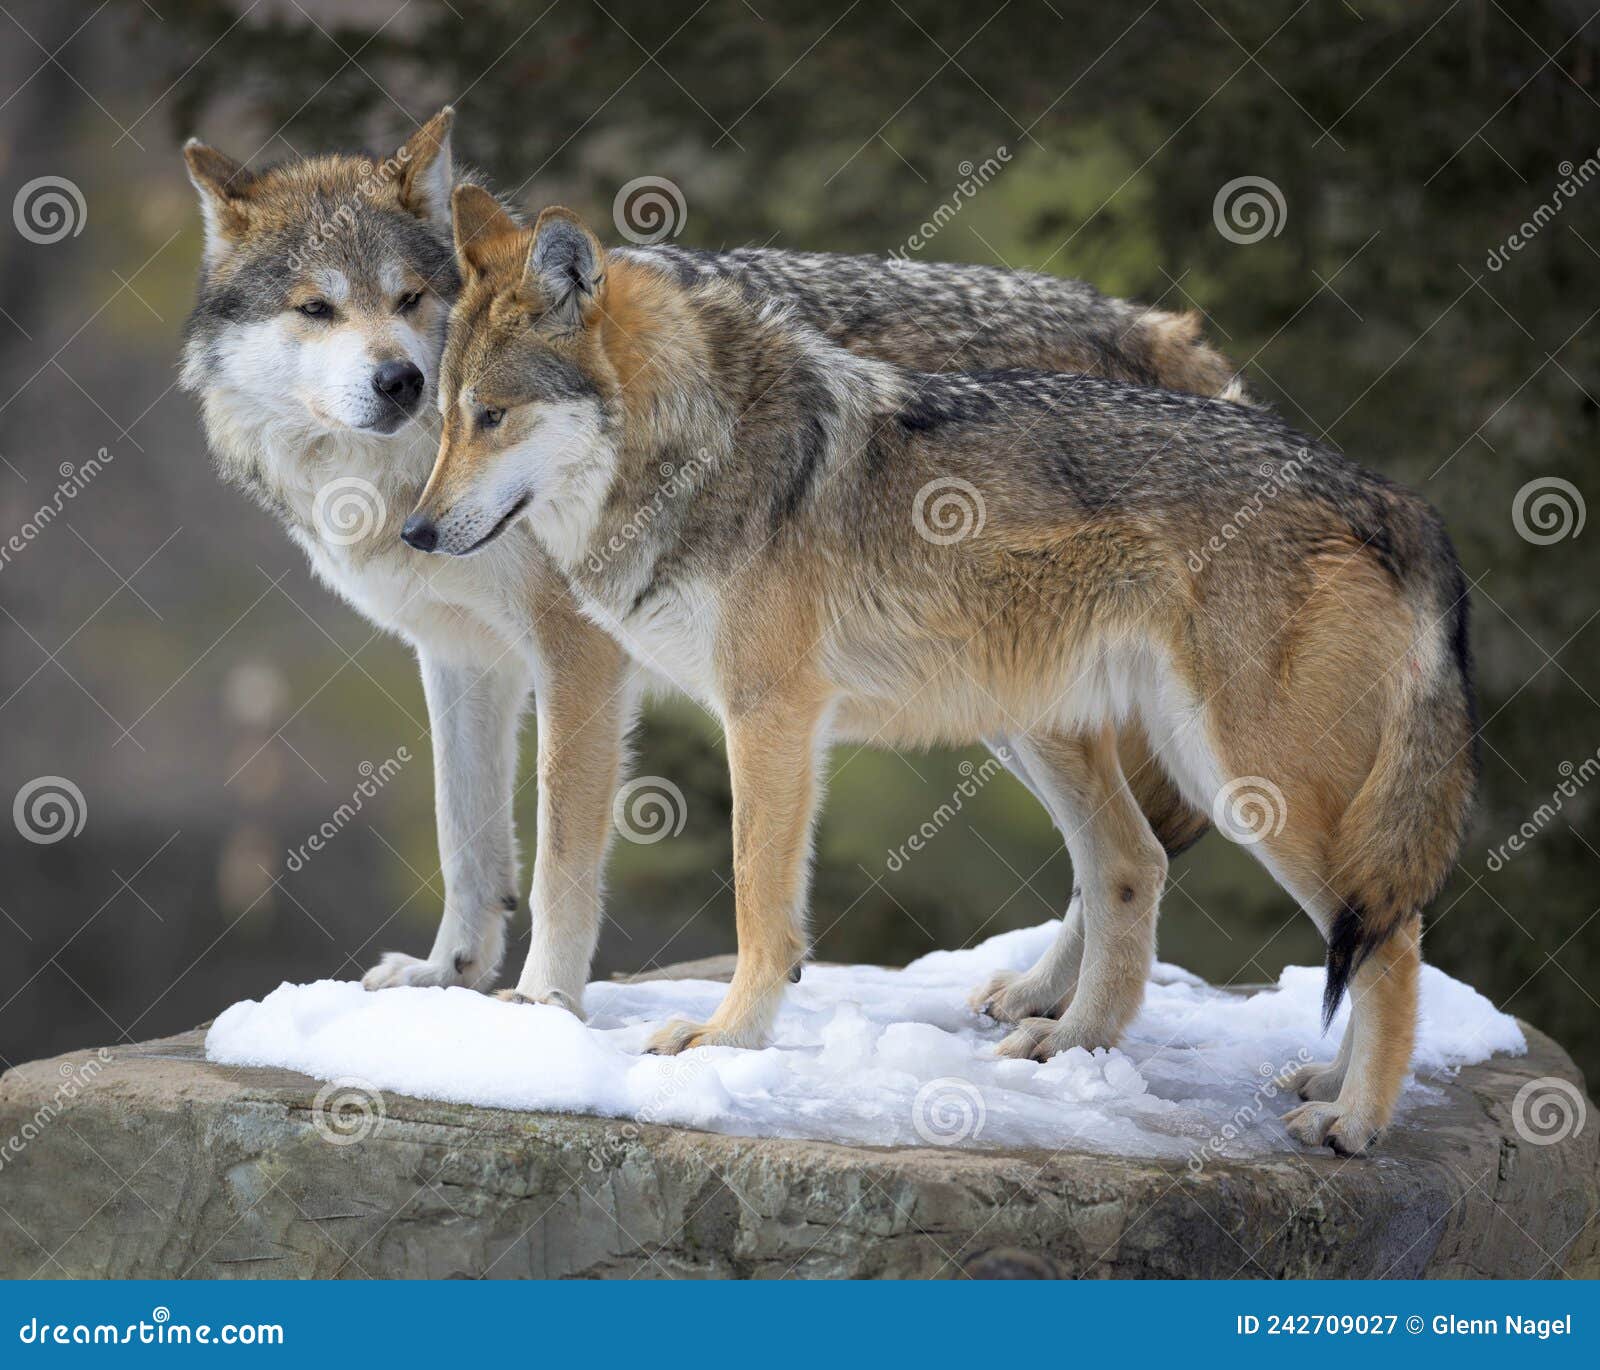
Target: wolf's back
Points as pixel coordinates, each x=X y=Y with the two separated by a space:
x=950 y=316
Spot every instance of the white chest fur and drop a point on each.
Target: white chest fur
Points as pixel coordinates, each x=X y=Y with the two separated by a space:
x=345 y=497
x=672 y=634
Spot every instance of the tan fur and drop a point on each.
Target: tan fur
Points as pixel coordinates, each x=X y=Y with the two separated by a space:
x=1351 y=1101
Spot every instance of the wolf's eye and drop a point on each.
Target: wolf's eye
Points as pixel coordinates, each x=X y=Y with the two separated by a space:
x=490 y=418
x=409 y=302
x=313 y=309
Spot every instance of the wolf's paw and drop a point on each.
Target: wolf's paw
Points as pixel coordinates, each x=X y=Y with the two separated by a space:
x=554 y=997
x=396 y=968
x=1021 y=1044
x=1320 y=1081
x=1009 y=996
x=681 y=1035
x=1346 y=1130
x=1039 y=1039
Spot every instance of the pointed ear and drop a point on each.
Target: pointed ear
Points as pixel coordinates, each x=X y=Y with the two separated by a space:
x=426 y=171
x=225 y=188
x=566 y=269
x=480 y=223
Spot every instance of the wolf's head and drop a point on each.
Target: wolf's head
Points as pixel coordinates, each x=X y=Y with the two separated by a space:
x=325 y=287
x=530 y=383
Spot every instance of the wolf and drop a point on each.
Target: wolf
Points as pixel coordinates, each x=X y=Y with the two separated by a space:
x=1309 y=682
x=313 y=348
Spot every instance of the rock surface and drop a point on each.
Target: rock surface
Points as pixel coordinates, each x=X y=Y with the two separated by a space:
x=146 y=1161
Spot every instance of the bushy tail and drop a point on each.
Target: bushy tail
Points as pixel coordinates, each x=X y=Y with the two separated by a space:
x=1398 y=840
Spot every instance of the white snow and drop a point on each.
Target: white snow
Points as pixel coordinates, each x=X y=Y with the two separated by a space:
x=860 y=1054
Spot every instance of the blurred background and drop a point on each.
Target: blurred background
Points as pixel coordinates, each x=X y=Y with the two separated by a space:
x=1408 y=269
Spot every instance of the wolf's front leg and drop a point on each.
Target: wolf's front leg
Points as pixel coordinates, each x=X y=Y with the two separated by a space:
x=586 y=696
x=772 y=756
x=472 y=714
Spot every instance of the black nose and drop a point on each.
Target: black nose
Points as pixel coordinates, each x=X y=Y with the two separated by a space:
x=398 y=381
x=420 y=533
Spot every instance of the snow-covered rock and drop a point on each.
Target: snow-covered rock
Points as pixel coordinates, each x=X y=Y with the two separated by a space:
x=863 y=1055
x=149 y=1160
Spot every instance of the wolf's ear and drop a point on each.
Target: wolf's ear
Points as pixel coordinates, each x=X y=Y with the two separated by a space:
x=480 y=223
x=225 y=188
x=426 y=171
x=566 y=269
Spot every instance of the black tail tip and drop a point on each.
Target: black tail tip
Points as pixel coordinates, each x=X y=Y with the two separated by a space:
x=1344 y=954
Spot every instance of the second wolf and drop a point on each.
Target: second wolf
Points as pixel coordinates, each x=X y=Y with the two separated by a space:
x=848 y=548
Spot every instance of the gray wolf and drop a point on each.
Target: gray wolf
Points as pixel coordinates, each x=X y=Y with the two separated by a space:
x=313 y=348
x=801 y=587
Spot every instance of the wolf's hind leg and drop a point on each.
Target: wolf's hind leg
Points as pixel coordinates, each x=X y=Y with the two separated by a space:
x=472 y=714
x=1120 y=868
x=1009 y=996
x=1045 y=989
x=1383 y=1028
